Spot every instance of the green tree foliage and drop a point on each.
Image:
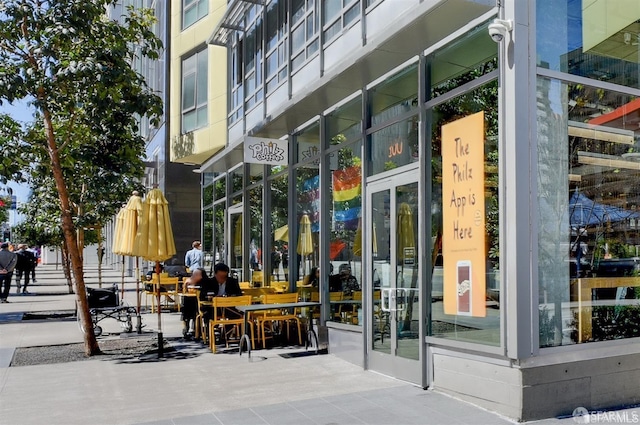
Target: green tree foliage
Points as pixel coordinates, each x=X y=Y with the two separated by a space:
x=72 y=64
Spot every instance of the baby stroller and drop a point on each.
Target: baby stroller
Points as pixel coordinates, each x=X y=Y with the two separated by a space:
x=103 y=304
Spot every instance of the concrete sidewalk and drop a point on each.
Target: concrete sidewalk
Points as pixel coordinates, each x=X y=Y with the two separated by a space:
x=194 y=386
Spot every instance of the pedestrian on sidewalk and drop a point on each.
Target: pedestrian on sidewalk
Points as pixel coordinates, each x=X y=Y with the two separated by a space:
x=194 y=258
x=24 y=266
x=36 y=252
x=7 y=263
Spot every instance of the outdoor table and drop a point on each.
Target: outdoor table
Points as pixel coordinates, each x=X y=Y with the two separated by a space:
x=245 y=309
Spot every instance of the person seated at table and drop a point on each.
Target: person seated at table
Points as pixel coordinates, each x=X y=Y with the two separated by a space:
x=221 y=285
x=313 y=278
x=348 y=281
x=189 y=309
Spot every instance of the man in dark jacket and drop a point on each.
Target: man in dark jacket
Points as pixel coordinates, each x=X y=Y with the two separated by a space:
x=7 y=265
x=24 y=267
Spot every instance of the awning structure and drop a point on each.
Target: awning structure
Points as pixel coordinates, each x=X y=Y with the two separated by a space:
x=231 y=21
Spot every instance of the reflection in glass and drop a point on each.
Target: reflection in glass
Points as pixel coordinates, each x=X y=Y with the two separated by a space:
x=256 y=172
x=465 y=59
x=237 y=248
x=219 y=243
x=345 y=237
x=304 y=255
x=596 y=39
x=255 y=238
x=220 y=188
x=207 y=195
x=382 y=271
x=484 y=330
x=589 y=207
x=343 y=124
x=237 y=179
x=394 y=97
x=394 y=146
x=279 y=228
x=207 y=242
x=308 y=143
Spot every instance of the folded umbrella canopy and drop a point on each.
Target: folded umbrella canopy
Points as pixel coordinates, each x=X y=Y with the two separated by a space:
x=281 y=233
x=357 y=243
x=305 y=239
x=127 y=224
x=155 y=242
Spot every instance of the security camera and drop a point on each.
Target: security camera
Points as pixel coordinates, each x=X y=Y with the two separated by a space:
x=499 y=28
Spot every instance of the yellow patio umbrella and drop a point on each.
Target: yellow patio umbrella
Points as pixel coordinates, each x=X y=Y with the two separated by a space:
x=357 y=243
x=125 y=242
x=155 y=242
x=281 y=233
x=406 y=233
x=305 y=239
x=129 y=216
x=117 y=233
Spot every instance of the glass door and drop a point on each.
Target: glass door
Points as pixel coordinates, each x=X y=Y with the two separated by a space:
x=394 y=317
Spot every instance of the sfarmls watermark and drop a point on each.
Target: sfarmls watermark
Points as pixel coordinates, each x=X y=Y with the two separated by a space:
x=582 y=416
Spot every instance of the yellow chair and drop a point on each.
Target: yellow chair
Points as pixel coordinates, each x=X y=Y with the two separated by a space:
x=199 y=322
x=245 y=285
x=220 y=307
x=169 y=289
x=257 y=278
x=278 y=315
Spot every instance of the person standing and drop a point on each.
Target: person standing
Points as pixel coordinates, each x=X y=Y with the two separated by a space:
x=36 y=253
x=7 y=263
x=24 y=266
x=194 y=258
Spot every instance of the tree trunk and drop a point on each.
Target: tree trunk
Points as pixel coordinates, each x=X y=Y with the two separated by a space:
x=90 y=343
x=65 y=266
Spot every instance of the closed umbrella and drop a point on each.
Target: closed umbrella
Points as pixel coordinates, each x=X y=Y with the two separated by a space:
x=406 y=233
x=406 y=248
x=125 y=241
x=237 y=238
x=305 y=237
x=155 y=242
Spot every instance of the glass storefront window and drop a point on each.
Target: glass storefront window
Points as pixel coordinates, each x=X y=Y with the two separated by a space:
x=255 y=236
x=237 y=179
x=396 y=96
x=207 y=195
x=394 y=146
x=486 y=329
x=345 y=237
x=467 y=58
x=596 y=39
x=589 y=208
x=236 y=242
x=207 y=232
x=308 y=143
x=344 y=123
x=256 y=173
x=304 y=256
x=219 y=251
x=280 y=228
x=220 y=188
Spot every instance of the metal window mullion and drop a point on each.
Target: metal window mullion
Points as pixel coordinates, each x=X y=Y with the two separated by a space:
x=367 y=294
x=425 y=247
x=325 y=309
x=291 y=208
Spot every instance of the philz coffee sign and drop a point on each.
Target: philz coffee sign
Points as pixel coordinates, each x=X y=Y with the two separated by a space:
x=259 y=150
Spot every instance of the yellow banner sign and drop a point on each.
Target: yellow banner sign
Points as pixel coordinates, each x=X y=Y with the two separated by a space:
x=463 y=235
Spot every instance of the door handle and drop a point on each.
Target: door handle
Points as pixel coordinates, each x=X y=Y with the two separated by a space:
x=384 y=295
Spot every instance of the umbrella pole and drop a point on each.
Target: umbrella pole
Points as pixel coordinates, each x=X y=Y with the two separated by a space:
x=122 y=282
x=138 y=317
x=160 y=338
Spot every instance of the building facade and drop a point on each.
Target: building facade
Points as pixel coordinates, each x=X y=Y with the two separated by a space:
x=177 y=181
x=462 y=172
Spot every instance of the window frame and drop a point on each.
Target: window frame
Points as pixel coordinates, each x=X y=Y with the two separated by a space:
x=196 y=106
x=194 y=4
